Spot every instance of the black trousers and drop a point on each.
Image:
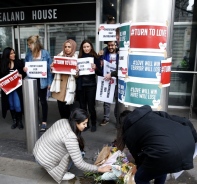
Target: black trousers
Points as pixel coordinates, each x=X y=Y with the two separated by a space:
x=42 y=94
x=64 y=109
x=86 y=98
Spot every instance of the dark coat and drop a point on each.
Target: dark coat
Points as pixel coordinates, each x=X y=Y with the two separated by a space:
x=18 y=64
x=158 y=141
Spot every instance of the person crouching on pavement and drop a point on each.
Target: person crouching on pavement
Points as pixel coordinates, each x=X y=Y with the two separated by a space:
x=62 y=141
x=160 y=143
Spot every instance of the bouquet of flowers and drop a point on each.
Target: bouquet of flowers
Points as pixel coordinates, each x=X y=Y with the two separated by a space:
x=122 y=170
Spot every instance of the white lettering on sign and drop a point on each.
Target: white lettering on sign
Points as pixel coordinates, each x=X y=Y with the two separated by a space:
x=139 y=32
x=12 y=16
x=44 y=14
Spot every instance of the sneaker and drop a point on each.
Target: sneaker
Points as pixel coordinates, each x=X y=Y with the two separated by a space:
x=93 y=128
x=43 y=127
x=68 y=176
x=104 y=122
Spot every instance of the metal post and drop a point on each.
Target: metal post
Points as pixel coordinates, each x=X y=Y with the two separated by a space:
x=30 y=98
x=150 y=11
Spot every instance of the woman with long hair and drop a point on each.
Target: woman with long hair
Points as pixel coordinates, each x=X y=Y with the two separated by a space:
x=14 y=100
x=38 y=53
x=63 y=141
x=86 y=84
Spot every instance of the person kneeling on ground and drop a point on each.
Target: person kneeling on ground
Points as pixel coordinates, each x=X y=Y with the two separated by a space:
x=160 y=143
x=61 y=141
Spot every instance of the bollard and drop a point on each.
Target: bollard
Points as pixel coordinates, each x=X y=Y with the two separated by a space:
x=30 y=100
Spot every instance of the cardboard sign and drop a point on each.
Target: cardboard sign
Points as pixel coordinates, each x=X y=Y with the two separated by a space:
x=36 y=69
x=148 y=36
x=124 y=36
x=123 y=63
x=138 y=94
x=10 y=82
x=84 y=65
x=166 y=72
x=64 y=65
x=108 y=67
x=145 y=65
x=108 y=32
x=105 y=89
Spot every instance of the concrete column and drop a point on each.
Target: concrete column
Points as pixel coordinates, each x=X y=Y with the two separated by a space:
x=155 y=11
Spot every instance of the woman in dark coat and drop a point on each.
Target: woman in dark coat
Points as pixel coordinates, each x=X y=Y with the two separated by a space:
x=13 y=101
x=160 y=143
x=86 y=84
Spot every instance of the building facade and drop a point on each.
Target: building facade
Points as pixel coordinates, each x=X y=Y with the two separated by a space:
x=79 y=19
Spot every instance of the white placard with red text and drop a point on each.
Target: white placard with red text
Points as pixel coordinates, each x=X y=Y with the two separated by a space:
x=10 y=82
x=107 y=32
x=108 y=67
x=105 y=89
x=85 y=66
x=64 y=65
x=36 y=69
x=123 y=63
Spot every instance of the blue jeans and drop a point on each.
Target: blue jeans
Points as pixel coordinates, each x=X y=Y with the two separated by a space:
x=144 y=176
x=14 y=101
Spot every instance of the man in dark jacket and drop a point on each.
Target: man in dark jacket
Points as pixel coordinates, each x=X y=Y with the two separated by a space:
x=160 y=143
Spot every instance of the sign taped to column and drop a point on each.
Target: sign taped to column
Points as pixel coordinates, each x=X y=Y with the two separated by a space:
x=166 y=72
x=123 y=63
x=138 y=94
x=124 y=36
x=145 y=65
x=148 y=36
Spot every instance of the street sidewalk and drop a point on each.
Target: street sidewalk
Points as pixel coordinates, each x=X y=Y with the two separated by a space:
x=18 y=166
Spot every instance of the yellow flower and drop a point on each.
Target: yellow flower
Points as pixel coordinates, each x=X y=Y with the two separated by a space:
x=114 y=149
x=124 y=168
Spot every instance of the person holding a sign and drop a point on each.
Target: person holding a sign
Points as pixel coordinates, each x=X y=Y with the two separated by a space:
x=38 y=53
x=86 y=84
x=61 y=142
x=60 y=82
x=160 y=143
x=110 y=59
x=13 y=101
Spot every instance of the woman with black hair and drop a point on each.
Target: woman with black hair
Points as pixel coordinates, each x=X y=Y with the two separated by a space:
x=62 y=141
x=14 y=100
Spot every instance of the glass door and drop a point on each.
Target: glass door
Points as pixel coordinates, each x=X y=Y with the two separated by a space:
x=23 y=32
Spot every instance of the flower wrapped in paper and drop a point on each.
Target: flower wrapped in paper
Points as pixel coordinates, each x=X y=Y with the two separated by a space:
x=122 y=170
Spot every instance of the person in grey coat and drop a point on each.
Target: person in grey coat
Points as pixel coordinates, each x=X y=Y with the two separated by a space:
x=62 y=141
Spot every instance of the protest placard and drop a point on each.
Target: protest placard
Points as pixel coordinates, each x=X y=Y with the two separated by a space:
x=84 y=65
x=64 y=65
x=36 y=69
x=105 y=89
x=108 y=32
x=10 y=82
x=108 y=67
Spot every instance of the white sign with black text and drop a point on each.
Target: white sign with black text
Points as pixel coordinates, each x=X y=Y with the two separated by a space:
x=105 y=89
x=36 y=69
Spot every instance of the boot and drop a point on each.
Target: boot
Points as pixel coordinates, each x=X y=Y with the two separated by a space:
x=19 y=120
x=14 y=122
